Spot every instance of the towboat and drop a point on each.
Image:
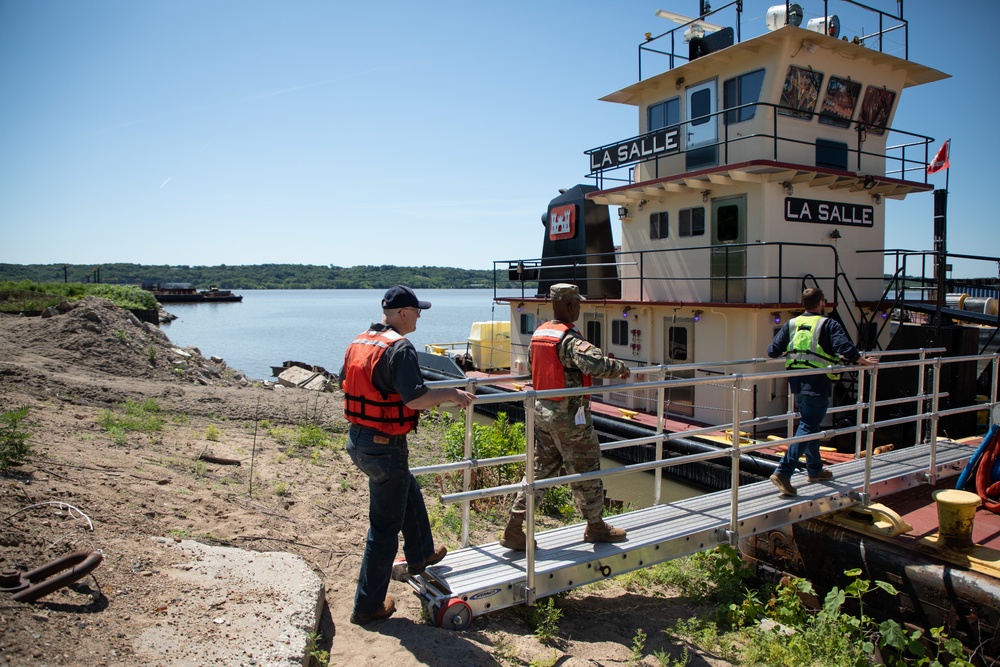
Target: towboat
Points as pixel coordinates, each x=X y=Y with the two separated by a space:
x=762 y=165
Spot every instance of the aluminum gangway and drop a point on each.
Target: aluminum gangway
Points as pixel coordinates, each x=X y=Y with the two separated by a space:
x=475 y=580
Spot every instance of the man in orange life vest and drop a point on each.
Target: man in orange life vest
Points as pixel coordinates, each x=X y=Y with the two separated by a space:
x=383 y=396
x=564 y=433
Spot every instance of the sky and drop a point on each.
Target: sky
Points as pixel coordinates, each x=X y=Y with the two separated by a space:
x=207 y=132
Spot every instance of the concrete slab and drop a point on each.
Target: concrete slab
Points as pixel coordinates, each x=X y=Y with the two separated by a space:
x=240 y=608
x=317 y=383
x=294 y=376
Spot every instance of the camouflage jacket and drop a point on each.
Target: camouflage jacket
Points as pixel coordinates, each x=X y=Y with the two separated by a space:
x=576 y=353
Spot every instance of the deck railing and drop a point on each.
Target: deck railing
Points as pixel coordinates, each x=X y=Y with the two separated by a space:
x=925 y=399
x=666 y=44
x=638 y=266
x=908 y=156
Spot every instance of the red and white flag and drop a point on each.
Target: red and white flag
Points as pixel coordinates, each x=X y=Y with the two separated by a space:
x=940 y=160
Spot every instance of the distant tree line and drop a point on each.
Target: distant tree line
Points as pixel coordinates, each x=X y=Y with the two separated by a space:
x=260 y=276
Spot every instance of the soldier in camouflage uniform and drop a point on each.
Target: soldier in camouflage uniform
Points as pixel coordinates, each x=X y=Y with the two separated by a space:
x=564 y=431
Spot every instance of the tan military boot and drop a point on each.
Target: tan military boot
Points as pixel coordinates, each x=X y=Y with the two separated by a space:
x=513 y=536
x=603 y=532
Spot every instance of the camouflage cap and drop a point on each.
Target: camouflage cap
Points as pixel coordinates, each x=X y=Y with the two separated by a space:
x=565 y=292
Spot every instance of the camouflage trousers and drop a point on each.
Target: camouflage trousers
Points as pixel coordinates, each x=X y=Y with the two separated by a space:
x=561 y=443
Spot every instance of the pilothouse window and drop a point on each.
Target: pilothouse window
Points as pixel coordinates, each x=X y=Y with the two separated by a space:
x=740 y=90
x=664 y=114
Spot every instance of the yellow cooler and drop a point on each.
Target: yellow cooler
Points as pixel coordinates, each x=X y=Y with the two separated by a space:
x=489 y=345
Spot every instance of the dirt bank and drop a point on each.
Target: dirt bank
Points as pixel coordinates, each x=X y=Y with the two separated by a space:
x=86 y=487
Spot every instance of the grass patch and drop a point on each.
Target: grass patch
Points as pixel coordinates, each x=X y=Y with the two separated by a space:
x=138 y=417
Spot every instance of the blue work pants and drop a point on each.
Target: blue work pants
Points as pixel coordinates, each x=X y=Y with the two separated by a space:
x=813 y=409
x=395 y=505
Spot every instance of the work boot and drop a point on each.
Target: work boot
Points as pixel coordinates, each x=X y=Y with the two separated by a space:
x=513 y=536
x=417 y=568
x=823 y=474
x=603 y=532
x=784 y=484
x=385 y=611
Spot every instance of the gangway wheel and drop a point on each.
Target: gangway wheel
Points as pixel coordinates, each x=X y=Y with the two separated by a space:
x=454 y=615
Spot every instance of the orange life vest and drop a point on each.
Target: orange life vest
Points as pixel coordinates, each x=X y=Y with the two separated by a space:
x=365 y=405
x=547 y=372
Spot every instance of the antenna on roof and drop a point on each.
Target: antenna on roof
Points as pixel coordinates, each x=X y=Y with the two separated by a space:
x=697 y=27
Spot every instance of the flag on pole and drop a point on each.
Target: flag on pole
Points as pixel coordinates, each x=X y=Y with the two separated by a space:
x=940 y=160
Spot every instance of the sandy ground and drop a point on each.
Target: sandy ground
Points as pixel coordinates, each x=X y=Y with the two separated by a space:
x=83 y=489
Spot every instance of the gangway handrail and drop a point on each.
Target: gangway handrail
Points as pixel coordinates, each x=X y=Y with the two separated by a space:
x=869 y=427
x=866 y=426
x=471 y=464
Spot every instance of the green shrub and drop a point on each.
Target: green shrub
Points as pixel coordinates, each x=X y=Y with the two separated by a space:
x=828 y=636
x=14 y=445
x=544 y=620
x=500 y=438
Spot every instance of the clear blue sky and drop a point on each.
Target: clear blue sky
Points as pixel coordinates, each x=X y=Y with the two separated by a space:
x=409 y=133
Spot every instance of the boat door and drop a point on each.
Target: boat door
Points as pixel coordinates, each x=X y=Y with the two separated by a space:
x=678 y=348
x=701 y=126
x=729 y=254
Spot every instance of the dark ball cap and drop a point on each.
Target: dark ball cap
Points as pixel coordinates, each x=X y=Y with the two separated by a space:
x=402 y=296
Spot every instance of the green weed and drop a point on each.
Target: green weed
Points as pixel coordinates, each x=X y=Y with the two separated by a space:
x=638 y=647
x=544 y=620
x=14 y=445
x=319 y=657
x=212 y=433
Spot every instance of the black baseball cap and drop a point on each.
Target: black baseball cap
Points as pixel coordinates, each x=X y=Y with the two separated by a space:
x=402 y=296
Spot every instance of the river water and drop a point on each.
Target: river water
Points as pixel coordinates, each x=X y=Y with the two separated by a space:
x=315 y=326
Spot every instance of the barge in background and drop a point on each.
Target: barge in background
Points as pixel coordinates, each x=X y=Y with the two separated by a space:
x=185 y=293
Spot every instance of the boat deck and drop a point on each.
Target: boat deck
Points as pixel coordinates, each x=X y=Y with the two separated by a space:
x=488 y=577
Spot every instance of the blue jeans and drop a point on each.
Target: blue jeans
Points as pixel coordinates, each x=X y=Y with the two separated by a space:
x=813 y=409
x=395 y=505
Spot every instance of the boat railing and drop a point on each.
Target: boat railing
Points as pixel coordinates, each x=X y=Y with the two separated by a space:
x=666 y=43
x=910 y=153
x=917 y=270
x=926 y=398
x=641 y=268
